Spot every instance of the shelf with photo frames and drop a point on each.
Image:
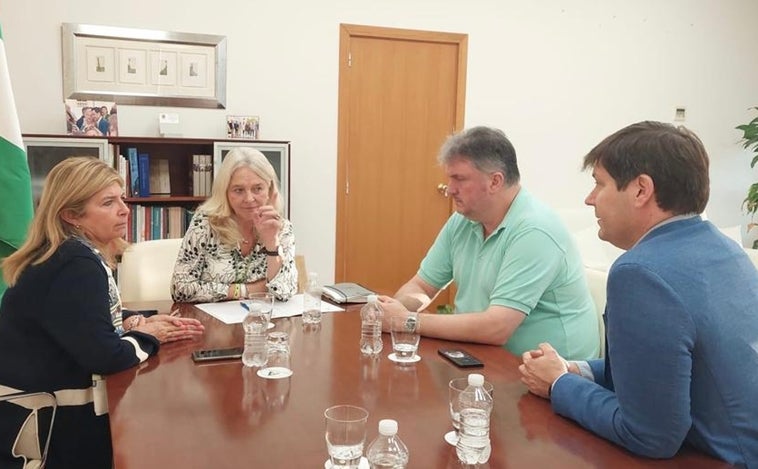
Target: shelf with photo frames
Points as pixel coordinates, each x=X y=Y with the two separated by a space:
x=172 y=192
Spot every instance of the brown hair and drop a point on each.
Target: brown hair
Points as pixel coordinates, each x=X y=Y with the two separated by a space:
x=673 y=157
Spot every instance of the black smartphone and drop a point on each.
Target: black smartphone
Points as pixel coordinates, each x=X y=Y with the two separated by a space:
x=144 y=312
x=460 y=358
x=217 y=354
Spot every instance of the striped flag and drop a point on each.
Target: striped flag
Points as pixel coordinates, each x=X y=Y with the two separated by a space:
x=15 y=182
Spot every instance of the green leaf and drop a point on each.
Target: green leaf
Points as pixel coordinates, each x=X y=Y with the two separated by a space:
x=750 y=204
x=749 y=141
x=444 y=309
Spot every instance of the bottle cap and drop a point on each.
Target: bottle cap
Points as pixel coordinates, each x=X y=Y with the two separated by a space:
x=387 y=427
x=475 y=379
x=372 y=298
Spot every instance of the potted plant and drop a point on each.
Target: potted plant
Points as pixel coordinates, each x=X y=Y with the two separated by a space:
x=750 y=142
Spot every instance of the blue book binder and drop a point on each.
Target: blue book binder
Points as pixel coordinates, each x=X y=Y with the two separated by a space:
x=155 y=221
x=131 y=154
x=144 y=175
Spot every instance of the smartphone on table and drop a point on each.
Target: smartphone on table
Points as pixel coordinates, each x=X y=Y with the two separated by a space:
x=217 y=354
x=460 y=358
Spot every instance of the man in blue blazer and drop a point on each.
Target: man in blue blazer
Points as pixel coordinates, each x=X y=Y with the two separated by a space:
x=681 y=362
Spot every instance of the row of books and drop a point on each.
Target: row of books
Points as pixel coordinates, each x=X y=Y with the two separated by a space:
x=202 y=175
x=148 y=222
x=145 y=176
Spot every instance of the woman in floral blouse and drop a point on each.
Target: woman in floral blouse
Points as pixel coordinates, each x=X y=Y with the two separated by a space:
x=238 y=242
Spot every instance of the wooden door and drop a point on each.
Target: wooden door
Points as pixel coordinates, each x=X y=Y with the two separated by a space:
x=401 y=93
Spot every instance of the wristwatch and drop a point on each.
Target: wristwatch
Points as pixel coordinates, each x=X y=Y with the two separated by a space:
x=275 y=252
x=411 y=322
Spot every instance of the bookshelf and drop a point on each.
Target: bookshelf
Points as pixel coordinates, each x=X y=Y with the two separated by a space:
x=163 y=211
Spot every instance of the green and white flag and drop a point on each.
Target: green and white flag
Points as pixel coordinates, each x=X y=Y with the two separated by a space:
x=15 y=181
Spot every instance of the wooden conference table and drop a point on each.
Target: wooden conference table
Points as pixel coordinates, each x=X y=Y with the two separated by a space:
x=172 y=413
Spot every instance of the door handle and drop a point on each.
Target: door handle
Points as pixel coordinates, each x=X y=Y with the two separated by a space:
x=442 y=189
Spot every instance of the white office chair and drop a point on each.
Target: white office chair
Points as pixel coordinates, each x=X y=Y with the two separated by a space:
x=33 y=438
x=146 y=268
x=597 y=280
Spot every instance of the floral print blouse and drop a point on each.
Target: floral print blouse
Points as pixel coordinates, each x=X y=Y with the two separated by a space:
x=205 y=267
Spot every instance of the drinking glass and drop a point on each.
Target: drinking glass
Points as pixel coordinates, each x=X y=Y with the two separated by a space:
x=278 y=356
x=345 y=435
x=405 y=338
x=455 y=388
x=266 y=301
x=312 y=300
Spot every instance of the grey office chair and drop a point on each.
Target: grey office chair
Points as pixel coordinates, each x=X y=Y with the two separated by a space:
x=33 y=438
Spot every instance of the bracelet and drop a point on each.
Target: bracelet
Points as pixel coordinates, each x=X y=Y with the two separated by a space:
x=243 y=290
x=235 y=290
x=132 y=322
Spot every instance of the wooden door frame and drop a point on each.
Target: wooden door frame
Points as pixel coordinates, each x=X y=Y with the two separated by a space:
x=347 y=32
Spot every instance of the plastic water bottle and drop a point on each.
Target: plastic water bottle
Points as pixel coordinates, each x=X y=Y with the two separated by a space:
x=371 y=327
x=387 y=451
x=312 y=300
x=255 y=325
x=474 y=438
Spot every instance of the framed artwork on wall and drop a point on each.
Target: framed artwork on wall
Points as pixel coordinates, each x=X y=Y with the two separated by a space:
x=140 y=66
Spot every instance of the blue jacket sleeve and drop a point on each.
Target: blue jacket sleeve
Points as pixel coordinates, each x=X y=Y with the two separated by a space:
x=598 y=371
x=77 y=317
x=650 y=340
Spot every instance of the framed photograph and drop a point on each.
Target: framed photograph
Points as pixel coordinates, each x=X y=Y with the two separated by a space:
x=141 y=66
x=91 y=118
x=247 y=127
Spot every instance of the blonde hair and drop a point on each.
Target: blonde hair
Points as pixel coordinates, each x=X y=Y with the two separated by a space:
x=217 y=206
x=68 y=188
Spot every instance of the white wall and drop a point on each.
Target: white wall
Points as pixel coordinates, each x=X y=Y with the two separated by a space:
x=556 y=75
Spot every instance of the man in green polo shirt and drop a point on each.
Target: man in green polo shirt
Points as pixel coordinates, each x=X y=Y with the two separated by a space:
x=520 y=278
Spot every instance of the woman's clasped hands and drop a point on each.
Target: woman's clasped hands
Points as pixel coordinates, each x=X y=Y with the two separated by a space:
x=168 y=328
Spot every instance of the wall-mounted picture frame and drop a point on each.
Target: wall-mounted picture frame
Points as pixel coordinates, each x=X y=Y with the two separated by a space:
x=143 y=67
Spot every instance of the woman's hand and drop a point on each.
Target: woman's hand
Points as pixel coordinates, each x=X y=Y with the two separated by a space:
x=133 y=321
x=268 y=224
x=167 y=328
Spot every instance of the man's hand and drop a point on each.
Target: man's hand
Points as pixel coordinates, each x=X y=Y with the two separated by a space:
x=541 y=368
x=391 y=307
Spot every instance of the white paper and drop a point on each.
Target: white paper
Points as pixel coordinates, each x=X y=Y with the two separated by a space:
x=232 y=312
